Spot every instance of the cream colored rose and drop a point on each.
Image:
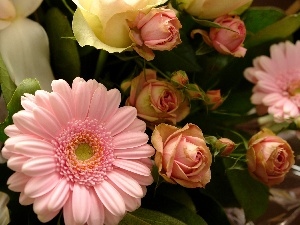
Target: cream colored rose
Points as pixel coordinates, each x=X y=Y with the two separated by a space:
x=211 y=9
x=103 y=23
x=182 y=155
x=269 y=157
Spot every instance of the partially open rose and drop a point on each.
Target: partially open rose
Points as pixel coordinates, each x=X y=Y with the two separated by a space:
x=103 y=23
x=182 y=155
x=156 y=30
x=156 y=100
x=269 y=157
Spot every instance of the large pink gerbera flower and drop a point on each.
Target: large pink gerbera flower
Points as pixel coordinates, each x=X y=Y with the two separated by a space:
x=277 y=81
x=76 y=149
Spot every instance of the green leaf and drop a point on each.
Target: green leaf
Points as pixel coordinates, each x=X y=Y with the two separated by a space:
x=248 y=191
x=149 y=217
x=26 y=86
x=279 y=30
x=265 y=15
x=7 y=85
x=64 y=55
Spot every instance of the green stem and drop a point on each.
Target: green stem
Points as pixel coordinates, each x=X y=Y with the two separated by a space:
x=100 y=63
x=67 y=6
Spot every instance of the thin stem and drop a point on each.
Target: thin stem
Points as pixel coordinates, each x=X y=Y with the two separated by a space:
x=100 y=63
x=293 y=8
x=67 y=6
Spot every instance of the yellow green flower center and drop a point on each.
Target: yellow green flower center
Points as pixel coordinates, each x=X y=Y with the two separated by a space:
x=84 y=152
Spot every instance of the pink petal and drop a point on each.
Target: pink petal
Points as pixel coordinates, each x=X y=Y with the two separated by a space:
x=110 y=198
x=38 y=186
x=15 y=163
x=143 y=151
x=132 y=166
x=25 y=200
x=59 y=195
x=48 y=216
x=130 y=140
x=12 y=130
x=17 y=181
x=42 y=99
x=98 y=103
x=136 y=125
x=27 y=124
x=39 y=166
x=125 y=183
x=35 y=147
x=97 y=211
x=142 y=180
x=60 y=108
x=110 y=218
x=82 y=99
x=80 y=203
x=113 y=100
x=122 y=119
x=68 y=213
x=47 y=121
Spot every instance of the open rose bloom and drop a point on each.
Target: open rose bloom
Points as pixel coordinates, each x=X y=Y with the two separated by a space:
x=75 y=150
x=269 y=157
x=182 y=156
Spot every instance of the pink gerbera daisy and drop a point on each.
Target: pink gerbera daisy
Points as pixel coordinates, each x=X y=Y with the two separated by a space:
x=75 y=149
x=277 y=81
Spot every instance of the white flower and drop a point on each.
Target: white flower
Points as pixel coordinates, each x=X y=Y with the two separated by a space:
x=4 y=214
x=24 y=45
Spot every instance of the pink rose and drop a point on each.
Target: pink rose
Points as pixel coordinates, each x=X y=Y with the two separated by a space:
x=157 y=101
x=227 y=40
x=182 y=156
x=225 y=146
x=157 y=30
x=269 y=157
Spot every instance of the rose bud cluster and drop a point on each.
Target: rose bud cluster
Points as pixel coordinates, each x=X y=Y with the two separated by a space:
x=182 y=156
x=269 y=157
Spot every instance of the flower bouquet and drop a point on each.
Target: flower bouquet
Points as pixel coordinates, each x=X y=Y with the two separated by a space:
x=147 y=112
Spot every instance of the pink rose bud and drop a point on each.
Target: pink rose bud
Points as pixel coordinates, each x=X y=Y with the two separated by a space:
x=225 y=146
x=156 y=100
x=180 y=78
x=227 y=40
x=214 y=99
x=182 y=156
x=269 y=157
x=156 y=30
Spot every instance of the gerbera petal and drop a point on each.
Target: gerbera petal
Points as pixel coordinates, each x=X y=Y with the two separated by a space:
x=126 y=183
x=17 y=181
x=110 y=218
x=143 y=151
x=47 y=120
x=15 y=163
x=60 y=108
x=141 y=179
x=82 y=99
x=122 y=119
x=38 y=186
x=80 y=203
x=132 y=166
x=35 y=147
x=114 y=100
x=25 y=200
x=39 y=166
x=42 y=99
x=110 y=198
x=19 y=48
x=130 y=140
x=59 y=195
x=96 y=110
x=97 y=210
x=136 y=125
x=68 y=213
x=12 y=130
x=47 y=216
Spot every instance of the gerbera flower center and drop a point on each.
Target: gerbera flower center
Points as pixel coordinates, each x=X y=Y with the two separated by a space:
x=294 y=88
x=84 y=152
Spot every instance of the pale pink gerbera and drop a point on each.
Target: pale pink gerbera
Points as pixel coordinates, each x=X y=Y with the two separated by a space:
x=75 y=149
x=277 y=81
